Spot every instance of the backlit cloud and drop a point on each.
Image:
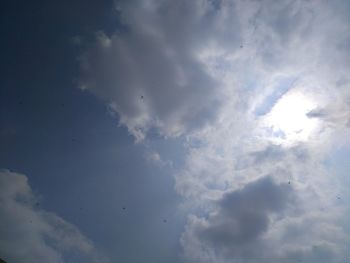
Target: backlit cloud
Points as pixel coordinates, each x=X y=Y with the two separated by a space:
x=256 y=89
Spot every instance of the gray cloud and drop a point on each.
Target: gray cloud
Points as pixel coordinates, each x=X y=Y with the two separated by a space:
x=243 y=215
x=263 y=222
x=317 y=113
x=334 y=116
x=150 y=74
x=167 y=69
x=30 y=234
x=270 y=153
x=201 y=69
x=280 y=218
x=273 y=153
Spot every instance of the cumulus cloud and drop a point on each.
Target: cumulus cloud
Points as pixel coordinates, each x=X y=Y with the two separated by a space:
x=294 y=210
x=154 y=158
x=262 y=222
x=30 y=234
x=243 y=214
x=149 y=74
x=242 y=218
x=175 y=66
x=219 y=73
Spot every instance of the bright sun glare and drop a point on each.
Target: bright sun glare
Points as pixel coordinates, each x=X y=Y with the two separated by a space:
x=288 y=118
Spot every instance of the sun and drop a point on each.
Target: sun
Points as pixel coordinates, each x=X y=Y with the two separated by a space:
x=288 y=122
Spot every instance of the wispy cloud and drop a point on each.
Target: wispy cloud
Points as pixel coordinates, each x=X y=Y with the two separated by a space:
x=31 y=234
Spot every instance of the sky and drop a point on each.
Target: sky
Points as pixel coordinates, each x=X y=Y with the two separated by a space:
x=175 y=131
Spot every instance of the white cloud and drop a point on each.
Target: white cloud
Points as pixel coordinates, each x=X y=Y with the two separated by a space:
x=150 y=77
x=30 y=234
x=155 y=158
x=306 y=221
x=213 y=72
x=236 y=229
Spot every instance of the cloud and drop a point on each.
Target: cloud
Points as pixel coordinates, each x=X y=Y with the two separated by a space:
x=262 y=222
x=149 y=74
x=175 y=67
x=317 y=113
x=30 y=234
x=243 y=216
x=294 y=210
x=212 y=72
x=155 y=158
x=244 y=213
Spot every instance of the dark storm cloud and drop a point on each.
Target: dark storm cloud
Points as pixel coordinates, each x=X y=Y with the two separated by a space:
x=244 y=214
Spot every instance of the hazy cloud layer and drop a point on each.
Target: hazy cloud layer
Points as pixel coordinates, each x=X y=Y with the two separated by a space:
x=31 y=234
x=256 y=88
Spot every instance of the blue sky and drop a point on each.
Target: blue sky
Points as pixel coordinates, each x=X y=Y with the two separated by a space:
x=175 y=131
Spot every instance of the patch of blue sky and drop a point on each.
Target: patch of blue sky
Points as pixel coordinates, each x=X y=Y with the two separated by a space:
x=250 y=81
x=339 y=165
x=282 y=86
x=278 y=133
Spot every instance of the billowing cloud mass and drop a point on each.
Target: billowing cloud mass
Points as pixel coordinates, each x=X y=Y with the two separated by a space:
x=260 y=91
x=149 y=75
x=30 y=234
x=243 y=216
x=244 y=213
